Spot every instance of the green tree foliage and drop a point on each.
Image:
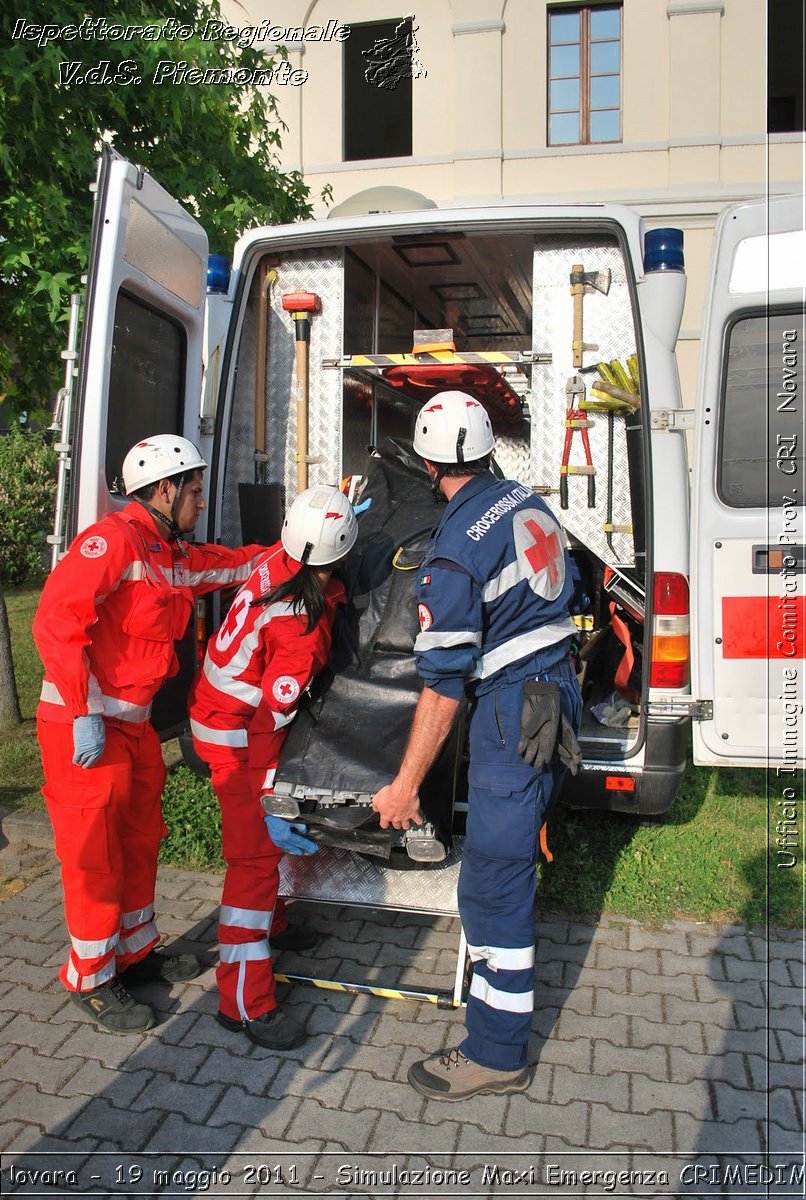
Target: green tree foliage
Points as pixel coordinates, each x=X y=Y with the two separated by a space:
x=214 y=146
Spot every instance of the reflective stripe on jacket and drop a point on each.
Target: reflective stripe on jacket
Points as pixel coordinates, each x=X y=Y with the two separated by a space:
x=112 y=609
x=260 y=662
x=494 y=588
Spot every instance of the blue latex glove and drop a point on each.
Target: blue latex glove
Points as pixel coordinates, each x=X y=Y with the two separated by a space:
x=89 y=738
x=363 y=506
x=287 y=835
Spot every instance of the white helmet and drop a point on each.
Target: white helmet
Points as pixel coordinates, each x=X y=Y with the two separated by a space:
x=319 y=527
x=453 y=428
x=159 y=457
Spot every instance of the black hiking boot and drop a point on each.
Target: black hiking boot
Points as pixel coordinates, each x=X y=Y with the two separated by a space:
x=113 y=1008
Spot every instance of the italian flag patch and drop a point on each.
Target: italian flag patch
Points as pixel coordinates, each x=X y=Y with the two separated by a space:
x=424 y=579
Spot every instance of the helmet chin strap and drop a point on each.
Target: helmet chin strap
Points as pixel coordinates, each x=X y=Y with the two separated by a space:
x=173 y=529
x=436 y=490
x=441 y=468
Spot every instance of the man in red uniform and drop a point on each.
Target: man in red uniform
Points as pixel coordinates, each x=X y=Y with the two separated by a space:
x=275 y=638
x=105 y=629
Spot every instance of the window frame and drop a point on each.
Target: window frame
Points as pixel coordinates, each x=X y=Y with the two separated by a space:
x=121 y=398
x=752 y=501
x=585 y=40
x=385 y=27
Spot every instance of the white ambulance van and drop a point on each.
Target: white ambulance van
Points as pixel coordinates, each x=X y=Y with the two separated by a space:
x=324 y=337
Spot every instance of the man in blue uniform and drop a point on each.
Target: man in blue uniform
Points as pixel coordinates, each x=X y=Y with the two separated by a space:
x=493 y=598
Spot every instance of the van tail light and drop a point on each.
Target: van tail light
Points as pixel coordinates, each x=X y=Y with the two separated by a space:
x=669 y=655
x=201 y=633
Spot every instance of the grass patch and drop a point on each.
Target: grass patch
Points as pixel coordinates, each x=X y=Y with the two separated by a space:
x=706 y=862
x=193 y=818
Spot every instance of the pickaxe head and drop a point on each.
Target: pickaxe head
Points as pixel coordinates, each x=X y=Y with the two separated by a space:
x=590 y=281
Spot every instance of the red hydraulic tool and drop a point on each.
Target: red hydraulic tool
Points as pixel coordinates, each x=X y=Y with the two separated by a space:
x=575 y=419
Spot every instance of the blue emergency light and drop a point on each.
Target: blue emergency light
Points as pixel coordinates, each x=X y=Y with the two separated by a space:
x=663 y=250
x=217 y=273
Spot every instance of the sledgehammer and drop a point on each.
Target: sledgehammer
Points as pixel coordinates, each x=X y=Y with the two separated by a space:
x=583 y=281
x=300 y=304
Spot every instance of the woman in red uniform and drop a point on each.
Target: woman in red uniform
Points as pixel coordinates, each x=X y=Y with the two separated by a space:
x=275 y=638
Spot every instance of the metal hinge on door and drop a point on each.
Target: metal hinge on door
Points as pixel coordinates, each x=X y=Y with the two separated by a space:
x=680 y=706
x=672 y=420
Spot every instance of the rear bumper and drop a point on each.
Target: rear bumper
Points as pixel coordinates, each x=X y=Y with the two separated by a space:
x=656 y=780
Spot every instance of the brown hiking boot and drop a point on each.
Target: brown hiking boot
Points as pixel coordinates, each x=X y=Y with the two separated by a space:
x=111 y=1007
x=451 y=1076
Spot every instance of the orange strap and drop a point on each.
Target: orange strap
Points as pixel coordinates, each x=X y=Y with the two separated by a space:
x=544 y=845
x=628 y=660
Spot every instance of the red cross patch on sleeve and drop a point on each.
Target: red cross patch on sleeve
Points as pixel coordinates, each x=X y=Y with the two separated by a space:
x=285 y=689
x=93 y=546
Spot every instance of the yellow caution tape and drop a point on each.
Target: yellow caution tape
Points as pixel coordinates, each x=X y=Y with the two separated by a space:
x=438 y=356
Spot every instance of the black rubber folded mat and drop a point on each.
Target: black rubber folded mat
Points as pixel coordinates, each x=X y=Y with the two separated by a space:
x=351 y=731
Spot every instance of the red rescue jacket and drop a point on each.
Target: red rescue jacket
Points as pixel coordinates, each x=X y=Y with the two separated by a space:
x=112 y=609
x=259 y=663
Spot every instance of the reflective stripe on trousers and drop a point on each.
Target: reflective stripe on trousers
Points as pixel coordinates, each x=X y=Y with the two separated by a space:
x=249 y=904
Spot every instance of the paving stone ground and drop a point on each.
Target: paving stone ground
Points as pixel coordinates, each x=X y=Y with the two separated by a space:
x=668 y=1062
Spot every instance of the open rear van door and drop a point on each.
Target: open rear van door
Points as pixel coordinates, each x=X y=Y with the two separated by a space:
x=747 y=553
x=141 y=351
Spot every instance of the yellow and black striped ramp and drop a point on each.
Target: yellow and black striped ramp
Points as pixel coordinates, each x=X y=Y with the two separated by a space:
x=441 y=999
x=443 y=357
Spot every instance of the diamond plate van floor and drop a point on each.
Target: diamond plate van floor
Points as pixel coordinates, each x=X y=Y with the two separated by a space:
x=667 y=1062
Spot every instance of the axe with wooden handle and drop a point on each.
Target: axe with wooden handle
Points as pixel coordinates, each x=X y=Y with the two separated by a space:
x=583 y=282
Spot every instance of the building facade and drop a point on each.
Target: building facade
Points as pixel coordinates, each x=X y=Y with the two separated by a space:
x=658 y=104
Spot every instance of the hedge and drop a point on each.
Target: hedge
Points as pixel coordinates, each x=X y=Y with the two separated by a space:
x=27 y=497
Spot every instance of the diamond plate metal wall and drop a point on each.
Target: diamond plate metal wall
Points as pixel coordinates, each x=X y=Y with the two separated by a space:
x=608 y=322
x=321 y=272
x=338 y=876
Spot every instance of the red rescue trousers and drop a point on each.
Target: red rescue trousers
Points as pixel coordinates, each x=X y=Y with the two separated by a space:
x=107 y=825
x=250 y=909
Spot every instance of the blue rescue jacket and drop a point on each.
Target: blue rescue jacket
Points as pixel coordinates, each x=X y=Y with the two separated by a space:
x=493 y=591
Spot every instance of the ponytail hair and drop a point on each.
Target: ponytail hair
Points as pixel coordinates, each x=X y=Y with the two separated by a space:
x=305 y=593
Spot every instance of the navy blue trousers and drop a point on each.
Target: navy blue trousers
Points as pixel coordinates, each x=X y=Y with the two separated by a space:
x=508 y=803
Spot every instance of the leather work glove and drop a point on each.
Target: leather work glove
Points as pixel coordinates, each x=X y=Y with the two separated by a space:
x=540 y=721
x=89 y=739
x=287 y=835
x=569 y=751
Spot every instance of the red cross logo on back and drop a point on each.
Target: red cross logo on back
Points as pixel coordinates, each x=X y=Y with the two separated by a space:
x=545 y=553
